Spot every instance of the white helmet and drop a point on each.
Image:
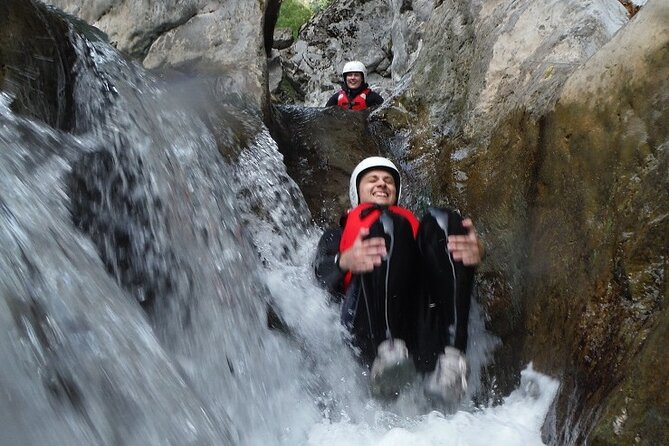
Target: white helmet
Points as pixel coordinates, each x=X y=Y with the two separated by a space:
x=373 y=162
x=354 y=67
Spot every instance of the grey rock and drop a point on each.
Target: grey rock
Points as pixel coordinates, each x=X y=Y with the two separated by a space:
x=283 y=38
x=275 y=71
x=480 y=60
x=193 y=36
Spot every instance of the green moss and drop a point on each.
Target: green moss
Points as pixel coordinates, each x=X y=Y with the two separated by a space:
x=295 y=13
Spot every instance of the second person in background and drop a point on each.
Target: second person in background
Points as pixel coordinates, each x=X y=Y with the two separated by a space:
x=355 y=93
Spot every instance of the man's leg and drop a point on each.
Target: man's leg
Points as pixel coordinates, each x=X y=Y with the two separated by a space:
x=445 y=300
x=382 y=324
x=384 y=294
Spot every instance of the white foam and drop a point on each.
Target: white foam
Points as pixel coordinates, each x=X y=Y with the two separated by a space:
x=516 y=422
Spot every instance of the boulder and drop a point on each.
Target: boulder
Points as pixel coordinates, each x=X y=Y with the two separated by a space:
x=283 y=38
x=320 y=143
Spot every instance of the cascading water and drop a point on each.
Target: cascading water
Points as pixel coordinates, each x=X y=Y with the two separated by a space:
x=137 y=267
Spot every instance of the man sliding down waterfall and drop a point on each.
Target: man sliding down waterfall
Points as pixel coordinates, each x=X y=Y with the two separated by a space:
x=405 y=285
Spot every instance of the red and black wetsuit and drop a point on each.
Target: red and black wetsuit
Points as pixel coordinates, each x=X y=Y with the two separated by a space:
x=357 y=102
x=417 y=294
x=355 y=99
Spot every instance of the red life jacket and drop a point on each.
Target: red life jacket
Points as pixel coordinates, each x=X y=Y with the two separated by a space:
x=355 y=221
x=359 y=102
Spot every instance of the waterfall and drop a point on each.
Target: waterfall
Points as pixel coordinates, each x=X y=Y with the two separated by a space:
x=140 y=254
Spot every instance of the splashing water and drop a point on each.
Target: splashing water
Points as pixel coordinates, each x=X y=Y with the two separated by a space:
x=137 y=265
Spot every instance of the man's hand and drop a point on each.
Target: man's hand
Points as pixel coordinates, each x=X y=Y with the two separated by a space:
x=466 y=248
x=364 y=255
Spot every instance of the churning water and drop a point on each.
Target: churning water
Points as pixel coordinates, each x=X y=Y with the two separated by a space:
x=137 y=266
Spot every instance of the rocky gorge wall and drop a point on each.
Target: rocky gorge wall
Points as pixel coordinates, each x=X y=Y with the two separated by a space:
x=605 y=168
x=564 y=167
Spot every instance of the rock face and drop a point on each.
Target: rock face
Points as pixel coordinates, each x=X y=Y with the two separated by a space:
x=481 y=61
x=46 y=94
x=605 y=167
x=192 y=36
x=553 y=136
x=321 y=147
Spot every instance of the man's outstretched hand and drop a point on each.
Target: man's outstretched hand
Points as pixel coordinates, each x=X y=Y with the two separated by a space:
x=363 y=255
x=466 y=248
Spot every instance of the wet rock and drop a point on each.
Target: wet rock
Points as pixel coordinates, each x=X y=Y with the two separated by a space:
x=570 y=193
x=319 y=144
x=606 y=163
x=108 y=202
x=194 y=36
x=36 y=72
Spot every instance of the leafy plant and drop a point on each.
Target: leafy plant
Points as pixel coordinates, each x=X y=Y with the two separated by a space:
x=295 y=13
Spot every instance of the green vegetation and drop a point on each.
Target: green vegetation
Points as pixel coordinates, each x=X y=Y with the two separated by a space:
x=295 y=13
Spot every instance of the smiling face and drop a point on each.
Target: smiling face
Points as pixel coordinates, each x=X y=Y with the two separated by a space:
x=353 y=79
x=378 y=186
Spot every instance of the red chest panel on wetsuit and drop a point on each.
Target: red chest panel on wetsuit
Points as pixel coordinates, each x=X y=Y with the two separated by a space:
x=355 y=222
x=359 y=102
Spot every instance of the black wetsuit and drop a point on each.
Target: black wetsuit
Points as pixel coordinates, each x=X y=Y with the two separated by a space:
x=427 y=298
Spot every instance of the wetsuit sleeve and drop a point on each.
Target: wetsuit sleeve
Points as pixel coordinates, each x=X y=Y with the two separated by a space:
x=327 y=272
x=333 y=100
x=374 y=99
